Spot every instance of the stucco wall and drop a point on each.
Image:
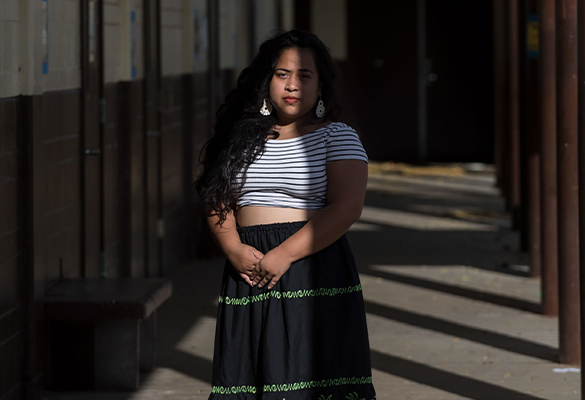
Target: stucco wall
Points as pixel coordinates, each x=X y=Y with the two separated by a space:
x=329 y=23
x=123 y=40
x=39 y=46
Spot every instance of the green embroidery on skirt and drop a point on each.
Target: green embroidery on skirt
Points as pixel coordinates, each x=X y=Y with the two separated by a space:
x=292 y=294
x=286 y=387
x=354 y=396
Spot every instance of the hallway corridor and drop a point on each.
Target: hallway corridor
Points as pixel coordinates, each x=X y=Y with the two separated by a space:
x=451 y=312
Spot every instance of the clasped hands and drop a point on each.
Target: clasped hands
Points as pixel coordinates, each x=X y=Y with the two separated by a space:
x=257 y=268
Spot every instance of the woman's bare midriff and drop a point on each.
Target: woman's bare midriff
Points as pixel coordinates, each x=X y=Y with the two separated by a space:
x=253 y=215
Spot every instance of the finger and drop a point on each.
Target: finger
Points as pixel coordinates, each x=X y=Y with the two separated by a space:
x=264 y=280
x=259 y=275
x=252 y=275
x=246 y=279
x=258 y=254
x=257 y=279
x=273 y=282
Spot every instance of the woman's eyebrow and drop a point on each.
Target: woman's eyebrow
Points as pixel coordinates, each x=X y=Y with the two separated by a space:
x=301 y=70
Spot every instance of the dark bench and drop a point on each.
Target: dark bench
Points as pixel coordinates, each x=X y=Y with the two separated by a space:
x=102 y=331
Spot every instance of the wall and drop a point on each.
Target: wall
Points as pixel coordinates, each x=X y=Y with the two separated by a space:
x=50 y=114
x=40 y=48
x=11 y=27
x=265 y=20
x=13 y=229
x=329 y=23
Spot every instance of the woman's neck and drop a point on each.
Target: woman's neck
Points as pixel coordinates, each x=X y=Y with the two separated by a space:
x=297 y=127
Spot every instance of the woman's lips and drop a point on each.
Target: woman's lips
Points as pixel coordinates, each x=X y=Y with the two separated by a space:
x=291 y=100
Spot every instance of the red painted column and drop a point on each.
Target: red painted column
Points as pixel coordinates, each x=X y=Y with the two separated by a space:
x=514 y=114
x=500 y=94
x=581 y=154
x=548 y=165
x=531 y=142
x=567 y=175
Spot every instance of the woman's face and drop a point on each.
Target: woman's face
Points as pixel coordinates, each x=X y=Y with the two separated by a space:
x=295 y=85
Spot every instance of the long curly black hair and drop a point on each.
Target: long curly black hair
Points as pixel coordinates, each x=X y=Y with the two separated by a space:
x=241 y=131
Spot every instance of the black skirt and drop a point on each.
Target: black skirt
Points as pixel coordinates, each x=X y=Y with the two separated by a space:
x=305 y=339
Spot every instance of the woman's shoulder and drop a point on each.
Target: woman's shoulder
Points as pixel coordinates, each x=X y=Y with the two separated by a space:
x=343 y=143
x=339 y=129
x=338 y=125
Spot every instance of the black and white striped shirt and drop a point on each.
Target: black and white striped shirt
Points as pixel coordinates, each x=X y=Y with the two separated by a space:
x=292 y=173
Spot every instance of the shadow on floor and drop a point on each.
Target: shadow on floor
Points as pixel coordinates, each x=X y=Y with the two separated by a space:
x=482 y=336
x=196 y=287
x=470 y=388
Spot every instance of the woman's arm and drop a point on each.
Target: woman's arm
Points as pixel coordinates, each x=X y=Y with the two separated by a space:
x=346 y=190
x=244 y=258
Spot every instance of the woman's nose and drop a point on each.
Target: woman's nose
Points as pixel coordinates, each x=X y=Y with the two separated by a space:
x=292 y=84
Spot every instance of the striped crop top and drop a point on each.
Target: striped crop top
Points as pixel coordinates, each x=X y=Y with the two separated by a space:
x=292 y=173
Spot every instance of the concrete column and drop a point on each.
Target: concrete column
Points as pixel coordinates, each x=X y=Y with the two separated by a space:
x=116 y=356
x=148 y=344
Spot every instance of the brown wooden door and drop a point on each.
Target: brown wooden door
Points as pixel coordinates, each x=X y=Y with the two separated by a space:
x=460 y=84
x=152 y=148
x=379 y=92
x=91 y=139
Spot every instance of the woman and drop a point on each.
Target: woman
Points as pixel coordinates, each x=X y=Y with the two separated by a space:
x=283 y=184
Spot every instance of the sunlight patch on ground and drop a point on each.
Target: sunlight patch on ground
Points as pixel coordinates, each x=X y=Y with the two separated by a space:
x=192 y=343
x=409 y=169
x=409 y=220
x=452 y=187
x=364 y=227
x=461 y=276
x=459 y=296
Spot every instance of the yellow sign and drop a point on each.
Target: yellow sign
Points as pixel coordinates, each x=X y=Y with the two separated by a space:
x=532 y=37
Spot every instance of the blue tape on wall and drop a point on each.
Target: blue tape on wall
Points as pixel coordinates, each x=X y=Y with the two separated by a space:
x=133 y=44
x=45 y=36
x=196 y=36
x=235 y=50
x=532 y=45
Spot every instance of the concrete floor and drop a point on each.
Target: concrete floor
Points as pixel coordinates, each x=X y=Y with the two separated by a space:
x=451 y=313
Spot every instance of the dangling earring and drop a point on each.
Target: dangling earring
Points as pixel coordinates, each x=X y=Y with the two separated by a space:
x=266 y=108
x=320 y=110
